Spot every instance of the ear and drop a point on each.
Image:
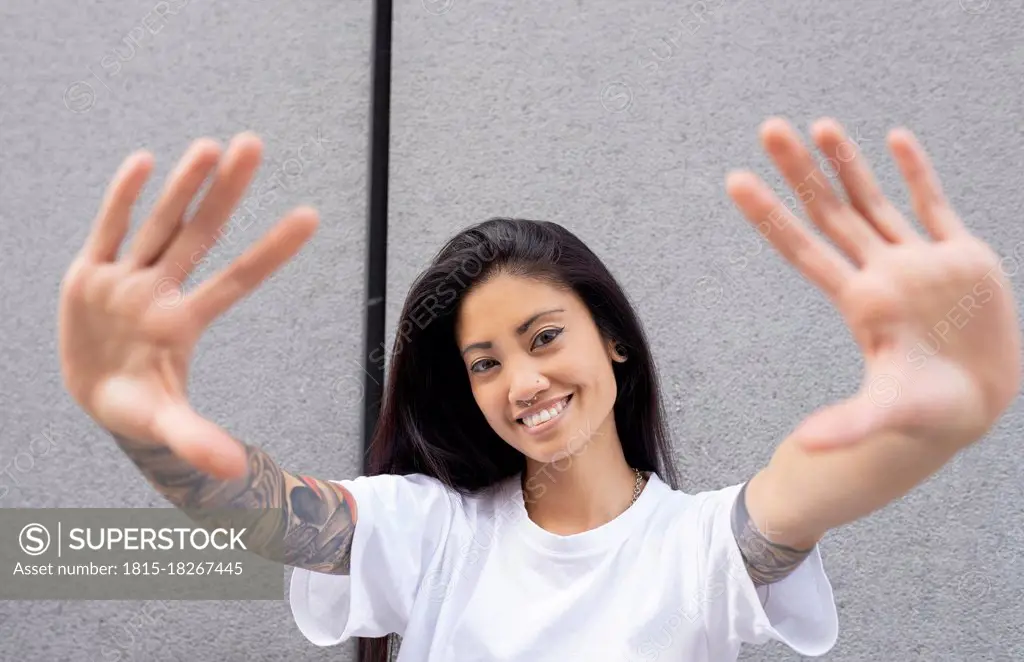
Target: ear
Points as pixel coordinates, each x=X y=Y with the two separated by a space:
x=616 y=351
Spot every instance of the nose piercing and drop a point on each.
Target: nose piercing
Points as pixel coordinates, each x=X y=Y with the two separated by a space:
x=531 y=400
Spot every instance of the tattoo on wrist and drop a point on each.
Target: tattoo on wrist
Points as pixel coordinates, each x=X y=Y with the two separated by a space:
x=307 y=523
x=766 y=562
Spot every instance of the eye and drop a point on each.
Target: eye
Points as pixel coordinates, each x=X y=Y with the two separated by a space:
x=551 y=333
x=475 y=366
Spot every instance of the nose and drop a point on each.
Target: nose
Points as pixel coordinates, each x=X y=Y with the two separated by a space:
x=526 y=386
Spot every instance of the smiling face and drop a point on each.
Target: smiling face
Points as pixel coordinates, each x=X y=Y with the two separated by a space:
x=523 y=340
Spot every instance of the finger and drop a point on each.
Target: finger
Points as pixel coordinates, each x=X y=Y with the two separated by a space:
x=840 y=223
x=814 y=258
x=169 y=212
x=215 y=295
x=860 y=184
x=926 y=196
x=115 y=214
x=197 y=237
x=201 y=443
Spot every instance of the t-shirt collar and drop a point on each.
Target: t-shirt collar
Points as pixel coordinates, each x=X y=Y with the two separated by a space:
x=609 y=534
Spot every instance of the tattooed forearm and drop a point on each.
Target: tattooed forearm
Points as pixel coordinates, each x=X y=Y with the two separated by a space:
x=308 y=522
x=767 y=562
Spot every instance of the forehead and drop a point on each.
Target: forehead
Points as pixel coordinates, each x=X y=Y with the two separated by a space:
x=499 y=305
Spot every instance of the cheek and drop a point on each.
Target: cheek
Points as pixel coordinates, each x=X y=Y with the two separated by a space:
x=604 y=389
x=599 y=376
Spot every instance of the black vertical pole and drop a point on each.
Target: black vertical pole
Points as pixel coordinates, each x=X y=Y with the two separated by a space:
x=377 y=228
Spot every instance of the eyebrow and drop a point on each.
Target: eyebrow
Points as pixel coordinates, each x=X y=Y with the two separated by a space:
x=520 y=330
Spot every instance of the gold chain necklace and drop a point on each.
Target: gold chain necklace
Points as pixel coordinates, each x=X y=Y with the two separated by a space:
x=638 y=486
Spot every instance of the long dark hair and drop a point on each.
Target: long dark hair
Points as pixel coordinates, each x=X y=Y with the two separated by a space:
x=429 y=422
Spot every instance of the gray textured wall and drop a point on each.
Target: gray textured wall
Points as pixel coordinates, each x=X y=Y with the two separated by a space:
x=618 y=120
x=277 y=369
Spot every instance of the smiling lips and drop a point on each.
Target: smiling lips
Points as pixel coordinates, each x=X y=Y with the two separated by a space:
x=546 y=416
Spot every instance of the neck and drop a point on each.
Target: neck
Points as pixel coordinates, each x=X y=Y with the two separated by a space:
x=582 y=491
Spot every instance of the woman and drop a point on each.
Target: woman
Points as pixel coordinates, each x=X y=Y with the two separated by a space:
x=522 y=503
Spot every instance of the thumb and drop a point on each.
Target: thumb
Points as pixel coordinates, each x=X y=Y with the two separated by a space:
x=846 y=422
x=200 y=442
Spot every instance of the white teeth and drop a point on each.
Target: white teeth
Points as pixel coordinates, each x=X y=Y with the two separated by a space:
x=545 y=415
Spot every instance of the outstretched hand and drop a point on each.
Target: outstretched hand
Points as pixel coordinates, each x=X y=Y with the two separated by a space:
x=933 y=315
x=127 y=329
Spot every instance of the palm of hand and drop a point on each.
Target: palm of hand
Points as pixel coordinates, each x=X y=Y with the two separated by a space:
x=127 y=341
x=934 y=317
x=127 y=331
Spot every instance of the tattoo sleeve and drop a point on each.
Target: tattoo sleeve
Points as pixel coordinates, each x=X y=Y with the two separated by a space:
x=305 y=522
x=766 y=562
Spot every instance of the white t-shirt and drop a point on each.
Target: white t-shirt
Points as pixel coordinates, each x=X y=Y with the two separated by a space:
x=475 y=578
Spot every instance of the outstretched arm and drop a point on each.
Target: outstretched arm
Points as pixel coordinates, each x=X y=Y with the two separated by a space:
x=128 y=332
x=934 y=318
x=800 y=495
x=312 y=520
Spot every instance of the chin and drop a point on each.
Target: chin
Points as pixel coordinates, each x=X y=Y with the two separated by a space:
x=556 y=448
